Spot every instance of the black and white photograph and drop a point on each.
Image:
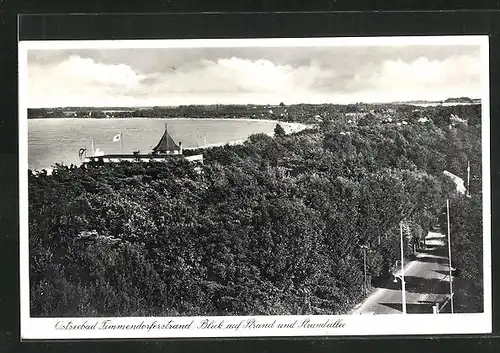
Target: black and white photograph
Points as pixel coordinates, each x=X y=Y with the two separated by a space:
x=254 y=187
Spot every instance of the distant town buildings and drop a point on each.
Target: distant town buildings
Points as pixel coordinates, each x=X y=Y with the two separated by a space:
x=454 y=119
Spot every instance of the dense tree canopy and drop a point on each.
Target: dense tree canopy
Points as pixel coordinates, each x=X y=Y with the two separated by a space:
x=272 y=226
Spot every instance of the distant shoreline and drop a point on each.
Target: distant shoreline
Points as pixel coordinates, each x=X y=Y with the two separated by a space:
x=465 y=99
x=144 y=118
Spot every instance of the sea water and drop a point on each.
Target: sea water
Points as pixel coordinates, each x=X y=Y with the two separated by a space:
x=52 y=141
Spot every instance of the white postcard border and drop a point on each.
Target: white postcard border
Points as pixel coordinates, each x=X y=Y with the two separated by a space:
x=350 y=325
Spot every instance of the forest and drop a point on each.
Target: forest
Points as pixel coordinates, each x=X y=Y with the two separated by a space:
x=301 y=113
x=270 y=227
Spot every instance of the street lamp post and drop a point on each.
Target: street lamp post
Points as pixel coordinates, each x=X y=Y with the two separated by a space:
x=449 y=252
x=364 y=247
x=403 y=284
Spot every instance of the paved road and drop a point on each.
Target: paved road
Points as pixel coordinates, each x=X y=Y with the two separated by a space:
x=427 y=283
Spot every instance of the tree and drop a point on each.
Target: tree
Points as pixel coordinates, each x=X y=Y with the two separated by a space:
x=367 y=119
x=467 y=251
x=279 y=131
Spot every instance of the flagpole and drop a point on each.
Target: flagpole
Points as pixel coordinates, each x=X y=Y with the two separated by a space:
x=121 y=142
x=449 y=252
x=93 y=147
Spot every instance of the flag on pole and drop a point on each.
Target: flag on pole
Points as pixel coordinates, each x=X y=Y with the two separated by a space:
x=117 y=138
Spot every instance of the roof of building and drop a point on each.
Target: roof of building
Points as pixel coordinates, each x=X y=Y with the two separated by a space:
x=455 y=178
x=166 y=144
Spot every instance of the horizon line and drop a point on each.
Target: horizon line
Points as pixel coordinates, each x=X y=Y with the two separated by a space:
x=258 y=104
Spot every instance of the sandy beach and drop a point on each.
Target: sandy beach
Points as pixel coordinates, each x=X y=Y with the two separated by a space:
x=289 y=128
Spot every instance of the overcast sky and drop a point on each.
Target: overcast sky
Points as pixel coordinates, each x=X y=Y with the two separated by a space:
x=179 y=76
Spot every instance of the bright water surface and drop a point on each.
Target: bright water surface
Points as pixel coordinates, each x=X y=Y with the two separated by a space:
x=53 y=141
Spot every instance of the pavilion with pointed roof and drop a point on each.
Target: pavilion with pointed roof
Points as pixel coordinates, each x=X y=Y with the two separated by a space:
x=164 y=150
x=167 y=145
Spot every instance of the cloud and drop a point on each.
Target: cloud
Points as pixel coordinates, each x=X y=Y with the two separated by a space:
x=79 y=81
x=87 y=70
x=236 y=75
x=425 y=73
x=421 y=78
x=101 y=78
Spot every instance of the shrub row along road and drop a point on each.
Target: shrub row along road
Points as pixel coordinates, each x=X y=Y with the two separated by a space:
x=427 y=283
